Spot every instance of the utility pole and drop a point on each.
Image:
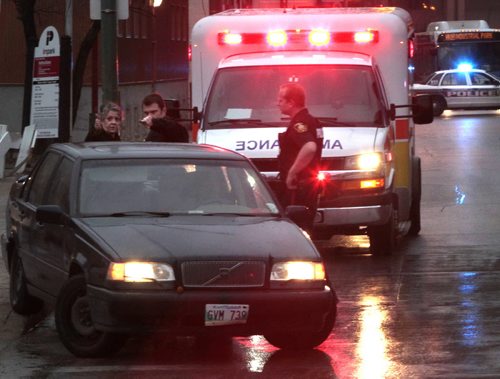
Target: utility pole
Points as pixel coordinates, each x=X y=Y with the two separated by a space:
x=109 y=67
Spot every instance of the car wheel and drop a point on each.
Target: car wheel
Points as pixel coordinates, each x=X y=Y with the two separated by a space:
x=383 y=237
x=438 y=105
x=304 y=340
x=20 y=300
x=416 y=198
x=74 y=323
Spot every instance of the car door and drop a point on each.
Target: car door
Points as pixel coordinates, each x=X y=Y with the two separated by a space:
x=454 y=85
x=50 y=242
x=34 y=195
x=486 y=90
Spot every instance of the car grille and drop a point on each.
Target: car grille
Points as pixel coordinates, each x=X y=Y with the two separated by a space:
x=213 y=274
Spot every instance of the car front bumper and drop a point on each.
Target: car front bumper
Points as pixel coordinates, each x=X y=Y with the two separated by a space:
x=184 y=313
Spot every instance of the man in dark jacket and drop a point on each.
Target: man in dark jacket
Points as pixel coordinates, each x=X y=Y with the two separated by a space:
x=300 y=151
x=161 y=127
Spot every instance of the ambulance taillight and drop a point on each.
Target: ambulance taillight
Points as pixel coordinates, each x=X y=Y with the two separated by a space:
x=365 y=37
x=321 y=176
x=277 y=38
x=319 y=37
x=411 y=48
x=312 y=38
x=227 y=38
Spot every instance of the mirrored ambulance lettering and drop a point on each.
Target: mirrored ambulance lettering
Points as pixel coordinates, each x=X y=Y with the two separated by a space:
x=252 y=145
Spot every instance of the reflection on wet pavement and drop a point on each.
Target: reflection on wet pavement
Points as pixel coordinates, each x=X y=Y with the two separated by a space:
x=371 y=347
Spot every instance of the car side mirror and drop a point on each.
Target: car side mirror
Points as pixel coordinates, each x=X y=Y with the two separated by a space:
x=50 y=214
x=422 y=109
x=299 y=214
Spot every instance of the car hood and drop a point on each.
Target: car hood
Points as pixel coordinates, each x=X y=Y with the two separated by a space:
x=201 y=237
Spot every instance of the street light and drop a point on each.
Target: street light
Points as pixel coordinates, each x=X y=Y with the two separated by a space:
x=154 y=4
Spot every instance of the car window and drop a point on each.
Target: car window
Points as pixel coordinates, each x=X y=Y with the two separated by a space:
x=175 y=186
x=454 y=79
x=58 y=193
x=480 y=79
x=434 y=81
x=41 y=179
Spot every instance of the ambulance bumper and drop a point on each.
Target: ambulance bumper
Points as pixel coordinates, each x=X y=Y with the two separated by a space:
x=352 y=216
x=362 y=211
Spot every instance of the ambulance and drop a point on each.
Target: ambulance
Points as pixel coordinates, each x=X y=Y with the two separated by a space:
x=354 y=64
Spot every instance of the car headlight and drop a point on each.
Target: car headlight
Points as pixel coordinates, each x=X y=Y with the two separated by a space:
x=140 y=272
x=298 y=270
x=365 y=162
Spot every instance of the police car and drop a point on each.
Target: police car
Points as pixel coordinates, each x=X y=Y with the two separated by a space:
x=462 y=88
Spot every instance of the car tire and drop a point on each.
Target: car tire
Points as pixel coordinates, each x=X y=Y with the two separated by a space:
x=74 y=323
x=383 y=237
x=20 y=299
x=438 y=106
x=415 y=217
x=304 y=340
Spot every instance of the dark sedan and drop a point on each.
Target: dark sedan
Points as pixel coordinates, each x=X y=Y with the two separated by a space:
x=186 y=239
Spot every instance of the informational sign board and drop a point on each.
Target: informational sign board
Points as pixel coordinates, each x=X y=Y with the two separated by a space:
x=45 y=90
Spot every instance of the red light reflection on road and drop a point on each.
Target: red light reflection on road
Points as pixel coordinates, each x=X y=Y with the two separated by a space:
x=257 y=353
x=372 y=346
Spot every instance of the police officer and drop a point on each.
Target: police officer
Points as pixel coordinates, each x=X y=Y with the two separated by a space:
x=300 y=151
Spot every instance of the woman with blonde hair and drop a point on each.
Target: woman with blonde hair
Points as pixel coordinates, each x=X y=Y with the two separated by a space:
x=107 y=125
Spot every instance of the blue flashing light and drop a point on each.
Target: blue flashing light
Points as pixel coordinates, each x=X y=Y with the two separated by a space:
x=464 y=67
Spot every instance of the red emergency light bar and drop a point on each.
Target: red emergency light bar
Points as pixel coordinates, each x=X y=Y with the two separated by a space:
x=281 y=38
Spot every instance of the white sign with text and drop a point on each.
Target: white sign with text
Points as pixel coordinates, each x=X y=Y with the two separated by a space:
x=45 y=90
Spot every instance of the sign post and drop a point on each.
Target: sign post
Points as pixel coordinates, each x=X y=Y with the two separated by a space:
x=45 y=91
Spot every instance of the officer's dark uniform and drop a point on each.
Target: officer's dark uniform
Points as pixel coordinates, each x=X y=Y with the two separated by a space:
x=303 y=128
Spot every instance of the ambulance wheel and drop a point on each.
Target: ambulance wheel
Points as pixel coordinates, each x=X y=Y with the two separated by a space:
x=416 y=199
x=438 y=105
x=383 y=237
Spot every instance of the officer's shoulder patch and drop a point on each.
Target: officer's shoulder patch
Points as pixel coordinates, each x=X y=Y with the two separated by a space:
x=300 y=127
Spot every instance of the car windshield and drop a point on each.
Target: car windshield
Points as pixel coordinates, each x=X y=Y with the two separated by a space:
x=165 y=187
x=344 y=93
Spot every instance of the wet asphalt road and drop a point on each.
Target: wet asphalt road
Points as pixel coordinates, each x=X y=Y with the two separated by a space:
x=430 y=311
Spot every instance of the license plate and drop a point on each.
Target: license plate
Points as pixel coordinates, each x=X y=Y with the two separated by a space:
x=226 y=314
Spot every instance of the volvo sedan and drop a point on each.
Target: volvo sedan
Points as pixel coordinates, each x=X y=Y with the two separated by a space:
x=126 y=238
x=461 y=89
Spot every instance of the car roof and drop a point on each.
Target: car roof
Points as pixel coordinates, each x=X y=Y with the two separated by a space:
x=457 y=70
x=107 y=150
